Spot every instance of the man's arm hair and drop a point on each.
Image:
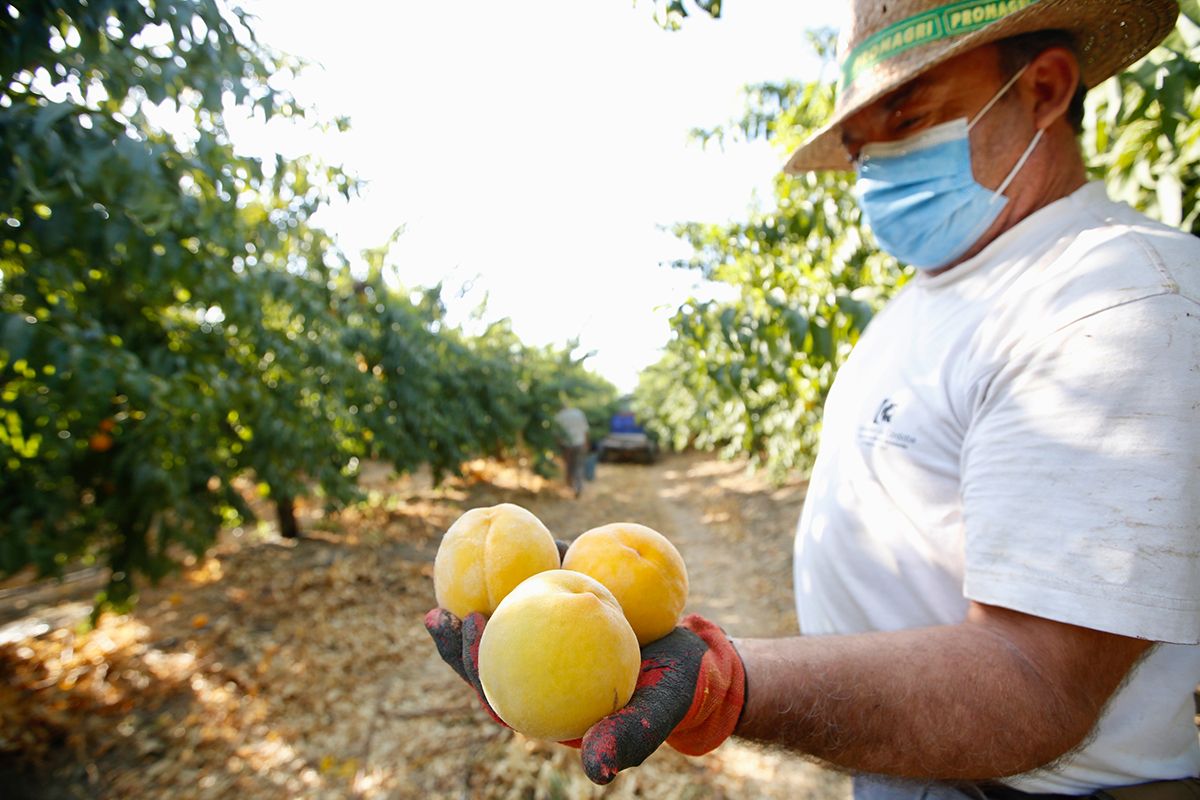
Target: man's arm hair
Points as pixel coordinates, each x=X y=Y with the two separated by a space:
x=999 y=694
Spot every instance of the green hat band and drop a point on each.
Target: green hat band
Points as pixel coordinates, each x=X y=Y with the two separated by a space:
x=950 y=20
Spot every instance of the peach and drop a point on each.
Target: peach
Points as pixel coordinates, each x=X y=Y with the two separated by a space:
x=486 y=553
x=557 y=656
x=641 y=568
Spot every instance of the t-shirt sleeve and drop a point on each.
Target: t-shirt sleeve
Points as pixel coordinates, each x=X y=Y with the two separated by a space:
x=1081 y=475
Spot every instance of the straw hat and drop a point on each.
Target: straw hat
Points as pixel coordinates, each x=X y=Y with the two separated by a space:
x=889 y=42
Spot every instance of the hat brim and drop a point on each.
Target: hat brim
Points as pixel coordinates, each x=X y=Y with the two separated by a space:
x=1109 y=37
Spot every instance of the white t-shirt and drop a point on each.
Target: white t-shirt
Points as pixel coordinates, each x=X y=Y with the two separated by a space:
x=574 y=426
x=1023 y=430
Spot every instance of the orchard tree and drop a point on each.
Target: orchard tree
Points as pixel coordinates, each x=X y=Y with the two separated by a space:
x=171 y=321
x=1142 y=128
x=440 y=396
x=808 y=279
x=166 y=322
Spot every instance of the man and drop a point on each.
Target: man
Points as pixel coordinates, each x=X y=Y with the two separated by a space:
x=998 y=565
x=572 y=441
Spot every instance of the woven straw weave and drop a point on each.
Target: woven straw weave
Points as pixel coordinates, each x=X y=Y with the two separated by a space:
x=1110 y=35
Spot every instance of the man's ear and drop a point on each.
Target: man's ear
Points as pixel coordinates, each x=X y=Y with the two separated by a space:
x=1050 y=83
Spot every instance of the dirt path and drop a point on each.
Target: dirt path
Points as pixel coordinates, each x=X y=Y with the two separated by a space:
x=279 y=669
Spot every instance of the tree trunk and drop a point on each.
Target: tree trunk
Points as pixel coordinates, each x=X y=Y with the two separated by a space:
x=288 y=527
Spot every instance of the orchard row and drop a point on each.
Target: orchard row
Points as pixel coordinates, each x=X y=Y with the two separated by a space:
x=171 y=321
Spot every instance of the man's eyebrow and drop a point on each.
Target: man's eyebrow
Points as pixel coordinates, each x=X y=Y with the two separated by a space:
x=902 y=95
x=891 y=102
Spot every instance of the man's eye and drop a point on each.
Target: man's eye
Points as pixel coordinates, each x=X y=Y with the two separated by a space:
x=908 y=122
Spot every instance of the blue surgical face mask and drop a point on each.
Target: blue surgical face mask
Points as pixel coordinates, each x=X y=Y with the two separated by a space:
x=920 y=196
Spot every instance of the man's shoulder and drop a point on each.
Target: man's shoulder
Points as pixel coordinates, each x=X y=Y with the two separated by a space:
x=1115 y=257
x=1105 y=257
x=1129 y=251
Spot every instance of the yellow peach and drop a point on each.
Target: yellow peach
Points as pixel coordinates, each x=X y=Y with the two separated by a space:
x=557 y=656
x=486 y=553
x=641 y=568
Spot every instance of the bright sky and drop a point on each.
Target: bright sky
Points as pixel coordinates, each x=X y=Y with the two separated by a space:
x=533 y=149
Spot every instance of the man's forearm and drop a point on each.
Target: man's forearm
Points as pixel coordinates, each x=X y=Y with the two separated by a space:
x=965 y=701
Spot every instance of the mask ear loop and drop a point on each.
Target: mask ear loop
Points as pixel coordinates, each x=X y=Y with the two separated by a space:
x=1037 y=137
x=1028 y=150
x=996 y=97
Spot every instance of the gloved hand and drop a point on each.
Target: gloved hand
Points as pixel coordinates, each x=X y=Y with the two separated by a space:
x=689 y=693
x=457 y=643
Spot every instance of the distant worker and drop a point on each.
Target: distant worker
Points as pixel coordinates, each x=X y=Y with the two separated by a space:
x=572 y=443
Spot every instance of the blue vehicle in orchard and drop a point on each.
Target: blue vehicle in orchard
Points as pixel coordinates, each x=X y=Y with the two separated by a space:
x=627 y=441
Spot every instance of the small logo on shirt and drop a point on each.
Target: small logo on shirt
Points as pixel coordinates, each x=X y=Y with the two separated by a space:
x=880 y=432
x=884 y=414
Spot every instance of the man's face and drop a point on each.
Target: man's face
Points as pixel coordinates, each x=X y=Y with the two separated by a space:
x=957 y=88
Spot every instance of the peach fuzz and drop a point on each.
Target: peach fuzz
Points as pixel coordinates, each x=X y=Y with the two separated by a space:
x=557 y=656
x=486 y=553
x=641 y=568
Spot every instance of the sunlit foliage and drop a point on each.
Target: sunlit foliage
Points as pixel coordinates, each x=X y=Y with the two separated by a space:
x=170 y=320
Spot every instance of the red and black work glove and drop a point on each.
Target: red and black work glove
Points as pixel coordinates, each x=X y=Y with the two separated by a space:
x=689 y=693
x=457 y=642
